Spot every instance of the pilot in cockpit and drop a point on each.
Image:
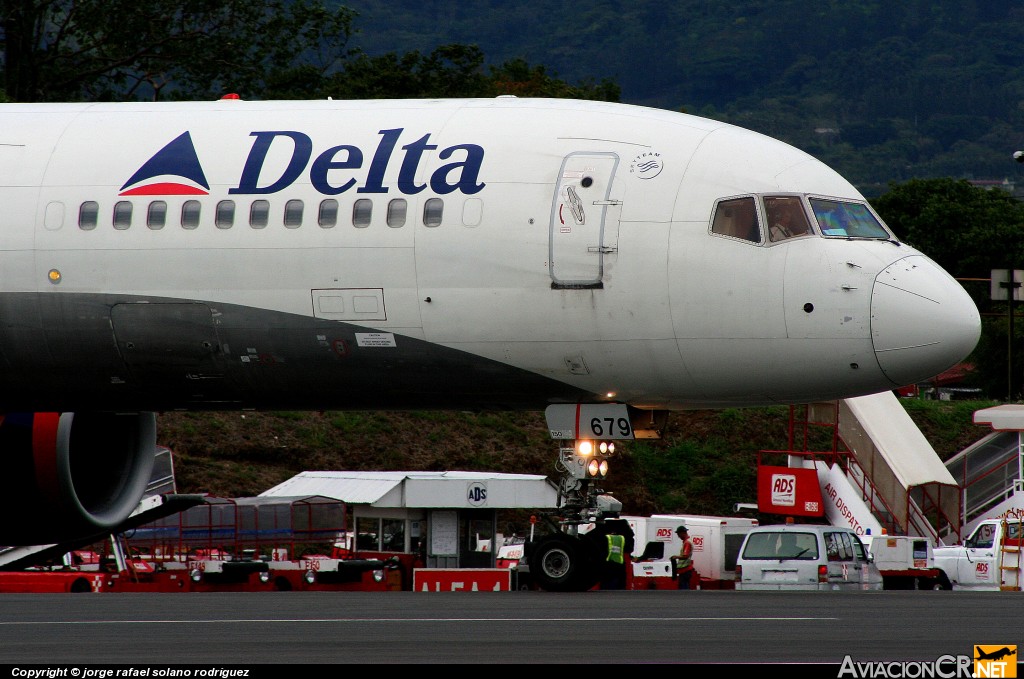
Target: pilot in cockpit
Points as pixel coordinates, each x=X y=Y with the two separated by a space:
x=785 y=218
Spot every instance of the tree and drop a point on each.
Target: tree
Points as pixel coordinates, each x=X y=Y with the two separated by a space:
x=454 y=70
x=72 y=50
x=966 y=229
x=969 y=231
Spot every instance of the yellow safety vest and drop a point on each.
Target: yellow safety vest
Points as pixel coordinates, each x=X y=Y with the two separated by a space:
x=616 y=547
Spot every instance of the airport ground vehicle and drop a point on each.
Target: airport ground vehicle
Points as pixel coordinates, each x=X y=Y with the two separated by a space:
x=805 y=557
x=716 y=544
x=905 y=562
x=990 y=559
x=716 y=541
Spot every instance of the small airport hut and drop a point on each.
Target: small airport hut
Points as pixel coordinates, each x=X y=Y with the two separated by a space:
x=450 y=517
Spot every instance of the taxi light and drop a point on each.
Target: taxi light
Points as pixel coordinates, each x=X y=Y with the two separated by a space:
x=585 y=448
x=597 y=468
x=822 y=573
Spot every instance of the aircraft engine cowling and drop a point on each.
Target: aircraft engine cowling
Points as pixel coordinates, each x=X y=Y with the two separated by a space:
x=70 y=476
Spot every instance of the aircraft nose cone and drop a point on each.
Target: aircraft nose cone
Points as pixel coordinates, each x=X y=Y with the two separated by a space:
x=922 y=320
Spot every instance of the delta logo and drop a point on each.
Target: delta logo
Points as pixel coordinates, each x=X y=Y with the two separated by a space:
x=166 y=173
x=175 y=170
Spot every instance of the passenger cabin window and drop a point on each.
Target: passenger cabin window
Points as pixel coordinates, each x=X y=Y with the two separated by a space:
x=88 y=215
x=786 y=218
x=737 y=218
x=122 y=215
x=293 y=214
x=190 y=212
x=396 y=212
x=362 y=210
x=156 y=215
x=225 y=217
x=328 y=216
x=432 y=212
x=847 y=219
x=259 y=214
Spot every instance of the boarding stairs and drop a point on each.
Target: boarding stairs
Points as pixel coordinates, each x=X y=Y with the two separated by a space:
x=883 y=455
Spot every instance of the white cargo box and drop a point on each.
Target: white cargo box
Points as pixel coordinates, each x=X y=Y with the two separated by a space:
x=900 y=552
x=716 y=541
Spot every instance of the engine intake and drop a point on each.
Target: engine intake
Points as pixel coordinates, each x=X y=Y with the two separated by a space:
x=72 y=476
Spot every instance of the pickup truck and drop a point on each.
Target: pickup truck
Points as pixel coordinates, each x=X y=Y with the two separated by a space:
x=990 y=559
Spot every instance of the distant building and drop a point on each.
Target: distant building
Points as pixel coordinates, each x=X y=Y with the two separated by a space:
x=1004 y=184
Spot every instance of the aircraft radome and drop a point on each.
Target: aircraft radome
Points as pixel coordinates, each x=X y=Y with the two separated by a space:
x=437 y=254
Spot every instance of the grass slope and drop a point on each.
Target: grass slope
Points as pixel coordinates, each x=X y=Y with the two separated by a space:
x=706 y=462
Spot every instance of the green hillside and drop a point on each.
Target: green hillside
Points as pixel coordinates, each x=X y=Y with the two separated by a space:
x=882 y=91
x=705 y=463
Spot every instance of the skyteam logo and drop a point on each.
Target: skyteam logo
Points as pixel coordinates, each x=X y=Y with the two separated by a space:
x=279 y=158
x=173 y=171
x=647 y=165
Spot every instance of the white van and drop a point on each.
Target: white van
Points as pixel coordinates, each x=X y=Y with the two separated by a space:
x=795 y=556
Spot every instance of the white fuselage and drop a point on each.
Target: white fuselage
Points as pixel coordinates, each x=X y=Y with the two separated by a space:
x=549 y=251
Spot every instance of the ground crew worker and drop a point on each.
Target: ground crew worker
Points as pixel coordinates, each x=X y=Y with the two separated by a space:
x=614 y=572
x=683 y=563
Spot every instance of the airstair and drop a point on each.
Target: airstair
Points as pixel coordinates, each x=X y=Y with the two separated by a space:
x=900 y=483
x=989 y=472
x=873 y=445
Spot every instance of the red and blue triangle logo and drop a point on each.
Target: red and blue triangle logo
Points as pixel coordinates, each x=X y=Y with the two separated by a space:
x=163 y=174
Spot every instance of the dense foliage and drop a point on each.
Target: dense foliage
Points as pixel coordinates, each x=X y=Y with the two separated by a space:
x=96 y=50
x=883 y=91
x=969 y=231
x=705 y=463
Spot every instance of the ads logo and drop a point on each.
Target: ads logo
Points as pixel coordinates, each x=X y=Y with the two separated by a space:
x=995 y=661
x=784 y=490
x=698 y=543
x=477 y=494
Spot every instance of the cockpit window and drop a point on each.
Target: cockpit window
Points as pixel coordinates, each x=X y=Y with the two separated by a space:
x=786 y=218
x=737 y=217
x=847 y=220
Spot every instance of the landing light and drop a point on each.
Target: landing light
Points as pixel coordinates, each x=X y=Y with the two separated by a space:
x=585 y=448
x=597 y=468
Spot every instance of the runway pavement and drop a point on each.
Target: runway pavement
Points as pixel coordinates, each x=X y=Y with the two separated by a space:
x=656 y=627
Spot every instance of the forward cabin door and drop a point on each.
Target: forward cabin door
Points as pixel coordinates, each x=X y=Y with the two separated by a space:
x=583 y=230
